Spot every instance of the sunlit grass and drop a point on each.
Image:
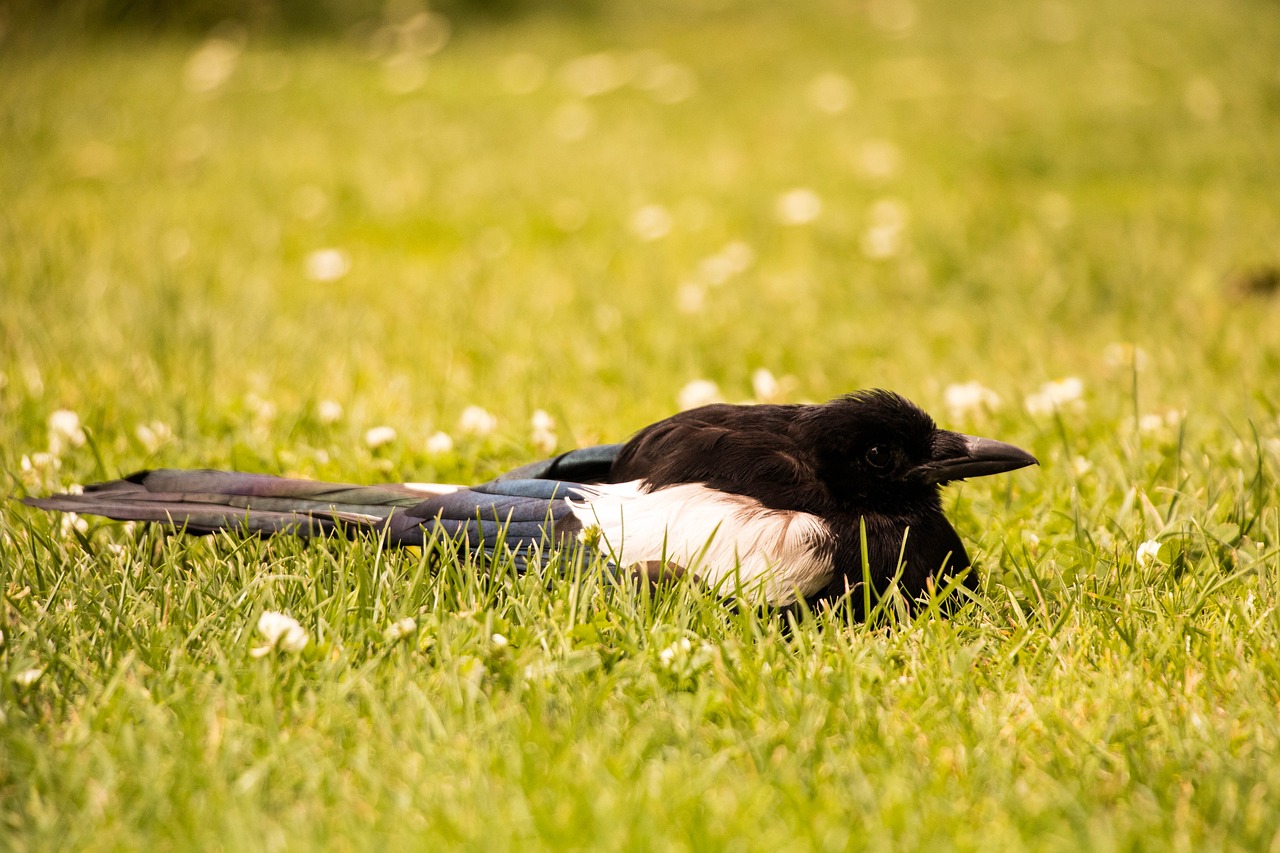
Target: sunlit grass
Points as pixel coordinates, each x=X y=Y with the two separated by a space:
x=367 y=259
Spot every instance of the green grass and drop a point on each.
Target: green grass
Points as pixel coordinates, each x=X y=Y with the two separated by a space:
x=1071 y=177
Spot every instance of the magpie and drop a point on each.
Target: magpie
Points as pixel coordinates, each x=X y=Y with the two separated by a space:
x=787 y=503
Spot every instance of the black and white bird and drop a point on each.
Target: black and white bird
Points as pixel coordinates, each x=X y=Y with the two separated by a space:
x=766 y=501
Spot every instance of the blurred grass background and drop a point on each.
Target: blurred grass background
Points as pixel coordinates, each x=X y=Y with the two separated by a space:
x=221 y=219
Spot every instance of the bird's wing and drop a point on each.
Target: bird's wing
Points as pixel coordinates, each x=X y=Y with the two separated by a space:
x=743 y=450
x=584 y=465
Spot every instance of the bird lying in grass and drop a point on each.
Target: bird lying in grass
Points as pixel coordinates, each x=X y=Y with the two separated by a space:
x=765 y=501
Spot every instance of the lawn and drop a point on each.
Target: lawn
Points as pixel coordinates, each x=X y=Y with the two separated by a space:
x=318 y=255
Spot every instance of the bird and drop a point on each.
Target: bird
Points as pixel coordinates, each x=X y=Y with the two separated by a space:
x=779 y=503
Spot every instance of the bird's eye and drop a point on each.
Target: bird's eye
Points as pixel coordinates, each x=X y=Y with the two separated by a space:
x=879 y=456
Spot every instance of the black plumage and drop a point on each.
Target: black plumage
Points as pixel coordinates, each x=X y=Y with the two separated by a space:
x=770 y=498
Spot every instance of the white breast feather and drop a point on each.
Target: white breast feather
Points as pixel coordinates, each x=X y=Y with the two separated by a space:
x=731 y=542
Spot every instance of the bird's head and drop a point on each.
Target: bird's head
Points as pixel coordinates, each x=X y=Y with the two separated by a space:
x=877 y=446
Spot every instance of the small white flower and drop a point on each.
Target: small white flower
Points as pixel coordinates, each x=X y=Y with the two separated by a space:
x=831 y=93
x=329 y=411
x=1056 y=396
x=679 y=647
x=1031 y=542
x=1081 y=466
x=544 y=440
x=1148 y=553
x=439 y=443
x=379 y=435
x=1151 y=423
x=965 y=399
x=888 y=222
x=798 y=206
x=154 y=435
x=210 y=65
x=403 y=628
x=499 y=641
x=878 y=159
x=699 y=392
x=477 y=421
x=690 y=297
x=594 y=74
x=1125 y=356
x=542 y=420
x=651 y=222
x=734 y=258
x=281 y=632
x=72 y=522
x=668 y=82
x=64 y=431
x=28 y=677
x=327 y=264
x=765 y=385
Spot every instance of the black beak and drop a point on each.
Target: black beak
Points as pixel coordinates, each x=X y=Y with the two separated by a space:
x=959 y=456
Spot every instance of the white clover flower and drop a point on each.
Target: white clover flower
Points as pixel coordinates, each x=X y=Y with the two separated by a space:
x=71 y=522
x=152 y=436
x=1031 y=542
x=830 y=93
x=651 y=222
x=798 y=206
x=679 y=647
x=1148 y=553
x=400 y=629
x=668 y=82
x=211 y=65
x=544 y=441
x=544 y=431
x=765 y=385
x=594 y=74
x=329 y=411
x=878 y=159
x=281 y=632
x=883 y=237
x=965 y=399
x=1055 y=396
x=28 y=677
x=1127 y=356
x=477 y=421
x=499 y=641
x=690 y=297
x=1081 y=466
x=1151 y=423
x=64 y=431
x=327 y=264
x=439 y=443
x=699 y=392
x=379 y=435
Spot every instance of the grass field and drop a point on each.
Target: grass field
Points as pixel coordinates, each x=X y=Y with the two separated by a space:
x=251 y=252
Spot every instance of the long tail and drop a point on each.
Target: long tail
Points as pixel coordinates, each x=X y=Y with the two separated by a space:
x=205 y=501
x=521 y=515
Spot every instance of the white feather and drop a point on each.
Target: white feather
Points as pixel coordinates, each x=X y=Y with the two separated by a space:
x=733 y=543
x=432 y=488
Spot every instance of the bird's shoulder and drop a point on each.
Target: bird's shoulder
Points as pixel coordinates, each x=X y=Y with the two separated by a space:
x=746 y=450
